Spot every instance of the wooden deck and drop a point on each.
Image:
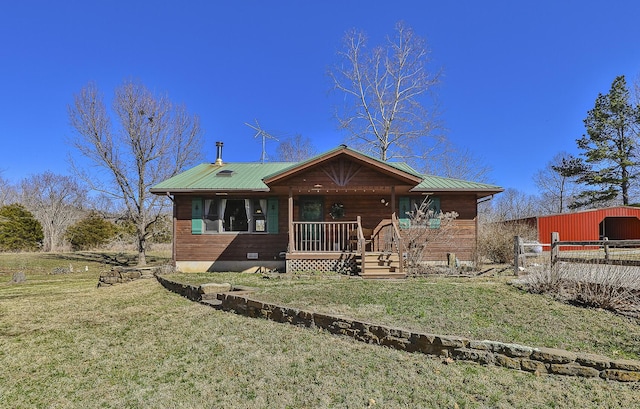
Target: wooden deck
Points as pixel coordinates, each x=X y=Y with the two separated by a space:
x=347 y=246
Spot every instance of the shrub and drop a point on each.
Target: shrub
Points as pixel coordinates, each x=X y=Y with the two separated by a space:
x=19 y=230
x=495 y=240
x=91 y=232
x=162 y=229
x=610 y=287
x=427 y=226
x=543 y=281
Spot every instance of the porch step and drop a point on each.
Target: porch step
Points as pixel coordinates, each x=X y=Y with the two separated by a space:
x=381 y=257
x=379 y=276
x=380 y=265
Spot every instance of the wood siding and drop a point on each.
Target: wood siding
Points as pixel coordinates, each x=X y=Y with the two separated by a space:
x=364 y=190
x=235 y=246
x=462 y=242
x=226 y=246
x=358 y=177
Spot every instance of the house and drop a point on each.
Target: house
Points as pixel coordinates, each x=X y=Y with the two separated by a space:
x=341 y=210
x=615 y=223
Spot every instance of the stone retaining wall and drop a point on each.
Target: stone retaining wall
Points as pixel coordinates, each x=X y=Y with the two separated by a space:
x=537 y=360
x=121 y=275
x=204 y=292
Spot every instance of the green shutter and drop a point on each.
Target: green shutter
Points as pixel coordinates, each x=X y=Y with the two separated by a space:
x=435 y=204
x=403 y=209
x=434 y=223
x=196 y=215
x=272 y=215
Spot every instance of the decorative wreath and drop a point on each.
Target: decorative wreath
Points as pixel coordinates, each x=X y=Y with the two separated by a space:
x=337 y=211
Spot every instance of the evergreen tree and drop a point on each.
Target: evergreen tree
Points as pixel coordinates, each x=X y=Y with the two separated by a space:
x=19 y=230
x=609 y=148
x=91 y=232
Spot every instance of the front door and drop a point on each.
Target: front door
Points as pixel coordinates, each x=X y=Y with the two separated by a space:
x=311 y=210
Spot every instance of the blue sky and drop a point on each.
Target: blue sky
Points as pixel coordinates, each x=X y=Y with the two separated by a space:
x=519 y=76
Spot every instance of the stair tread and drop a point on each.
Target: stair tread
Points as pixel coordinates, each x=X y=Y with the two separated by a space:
x=388 y=275
x=379 y=264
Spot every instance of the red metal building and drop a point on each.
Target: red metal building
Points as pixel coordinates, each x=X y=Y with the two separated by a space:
x=615 y=223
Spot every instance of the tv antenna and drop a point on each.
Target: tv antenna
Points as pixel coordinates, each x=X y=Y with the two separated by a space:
x=264 y=135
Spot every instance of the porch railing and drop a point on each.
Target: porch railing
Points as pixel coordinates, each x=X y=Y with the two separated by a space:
x=386 y=236
x=324 y=236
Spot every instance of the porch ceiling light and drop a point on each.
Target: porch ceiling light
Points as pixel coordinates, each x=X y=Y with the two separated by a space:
x=317 y=186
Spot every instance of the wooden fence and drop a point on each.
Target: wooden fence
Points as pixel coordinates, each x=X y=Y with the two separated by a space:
x=615 y=252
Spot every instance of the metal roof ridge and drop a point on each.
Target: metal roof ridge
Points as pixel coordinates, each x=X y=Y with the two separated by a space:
x=488 y=185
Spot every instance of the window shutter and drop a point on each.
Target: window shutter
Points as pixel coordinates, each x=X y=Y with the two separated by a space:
x=403 y=209
x=196 y=215
x=272 y=215
x=435 y=204
x=434 y=223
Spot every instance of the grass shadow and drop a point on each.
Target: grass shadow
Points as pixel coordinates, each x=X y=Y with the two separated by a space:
x=111 y=259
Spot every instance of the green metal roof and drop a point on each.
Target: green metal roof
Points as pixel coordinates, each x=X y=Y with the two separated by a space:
x=250 y=176
x=431 y=182
x=204 y=177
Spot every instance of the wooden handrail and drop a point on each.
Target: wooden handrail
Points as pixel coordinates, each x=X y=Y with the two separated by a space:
x=396 y=230
x=361 y=245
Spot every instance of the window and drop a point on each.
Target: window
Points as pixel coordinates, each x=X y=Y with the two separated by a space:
x=411 y=204
x=211 y=218
x=221 y=215
x=235 y=214
x=259 y=215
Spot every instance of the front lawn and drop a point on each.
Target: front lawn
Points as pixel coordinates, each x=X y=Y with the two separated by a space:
x=477 y=308
x=65 y=343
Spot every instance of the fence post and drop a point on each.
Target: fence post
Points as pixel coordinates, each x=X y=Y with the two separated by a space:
x=606 y=249
x=517 y=249
x=555 y=249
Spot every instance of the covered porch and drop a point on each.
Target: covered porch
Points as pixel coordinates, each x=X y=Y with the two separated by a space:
x=347 y=247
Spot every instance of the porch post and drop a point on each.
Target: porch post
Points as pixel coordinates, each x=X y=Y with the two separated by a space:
x=290 y=221
x=393 y=199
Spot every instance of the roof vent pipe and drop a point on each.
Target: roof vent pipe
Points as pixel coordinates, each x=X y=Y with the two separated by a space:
x=219 y=153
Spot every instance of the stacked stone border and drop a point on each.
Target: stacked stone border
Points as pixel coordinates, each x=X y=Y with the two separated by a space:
x=205 y=293
x=513 y=356
x=121 y=275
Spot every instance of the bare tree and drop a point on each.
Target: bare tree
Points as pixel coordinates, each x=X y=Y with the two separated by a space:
x=295 y=149
x=153 y=140
x=386 y=88
x=452 y=162
x=8 y=193
x=557 y=188
x=512 y=204
x=427 y=226
x=56 y=202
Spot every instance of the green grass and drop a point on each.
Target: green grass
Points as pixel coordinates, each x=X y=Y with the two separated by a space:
x=476 y=308
x=65 y=343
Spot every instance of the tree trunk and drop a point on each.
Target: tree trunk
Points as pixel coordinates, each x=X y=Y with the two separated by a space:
x=142 y=257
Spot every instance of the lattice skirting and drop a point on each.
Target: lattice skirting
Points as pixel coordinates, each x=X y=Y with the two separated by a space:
x=344 y=266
